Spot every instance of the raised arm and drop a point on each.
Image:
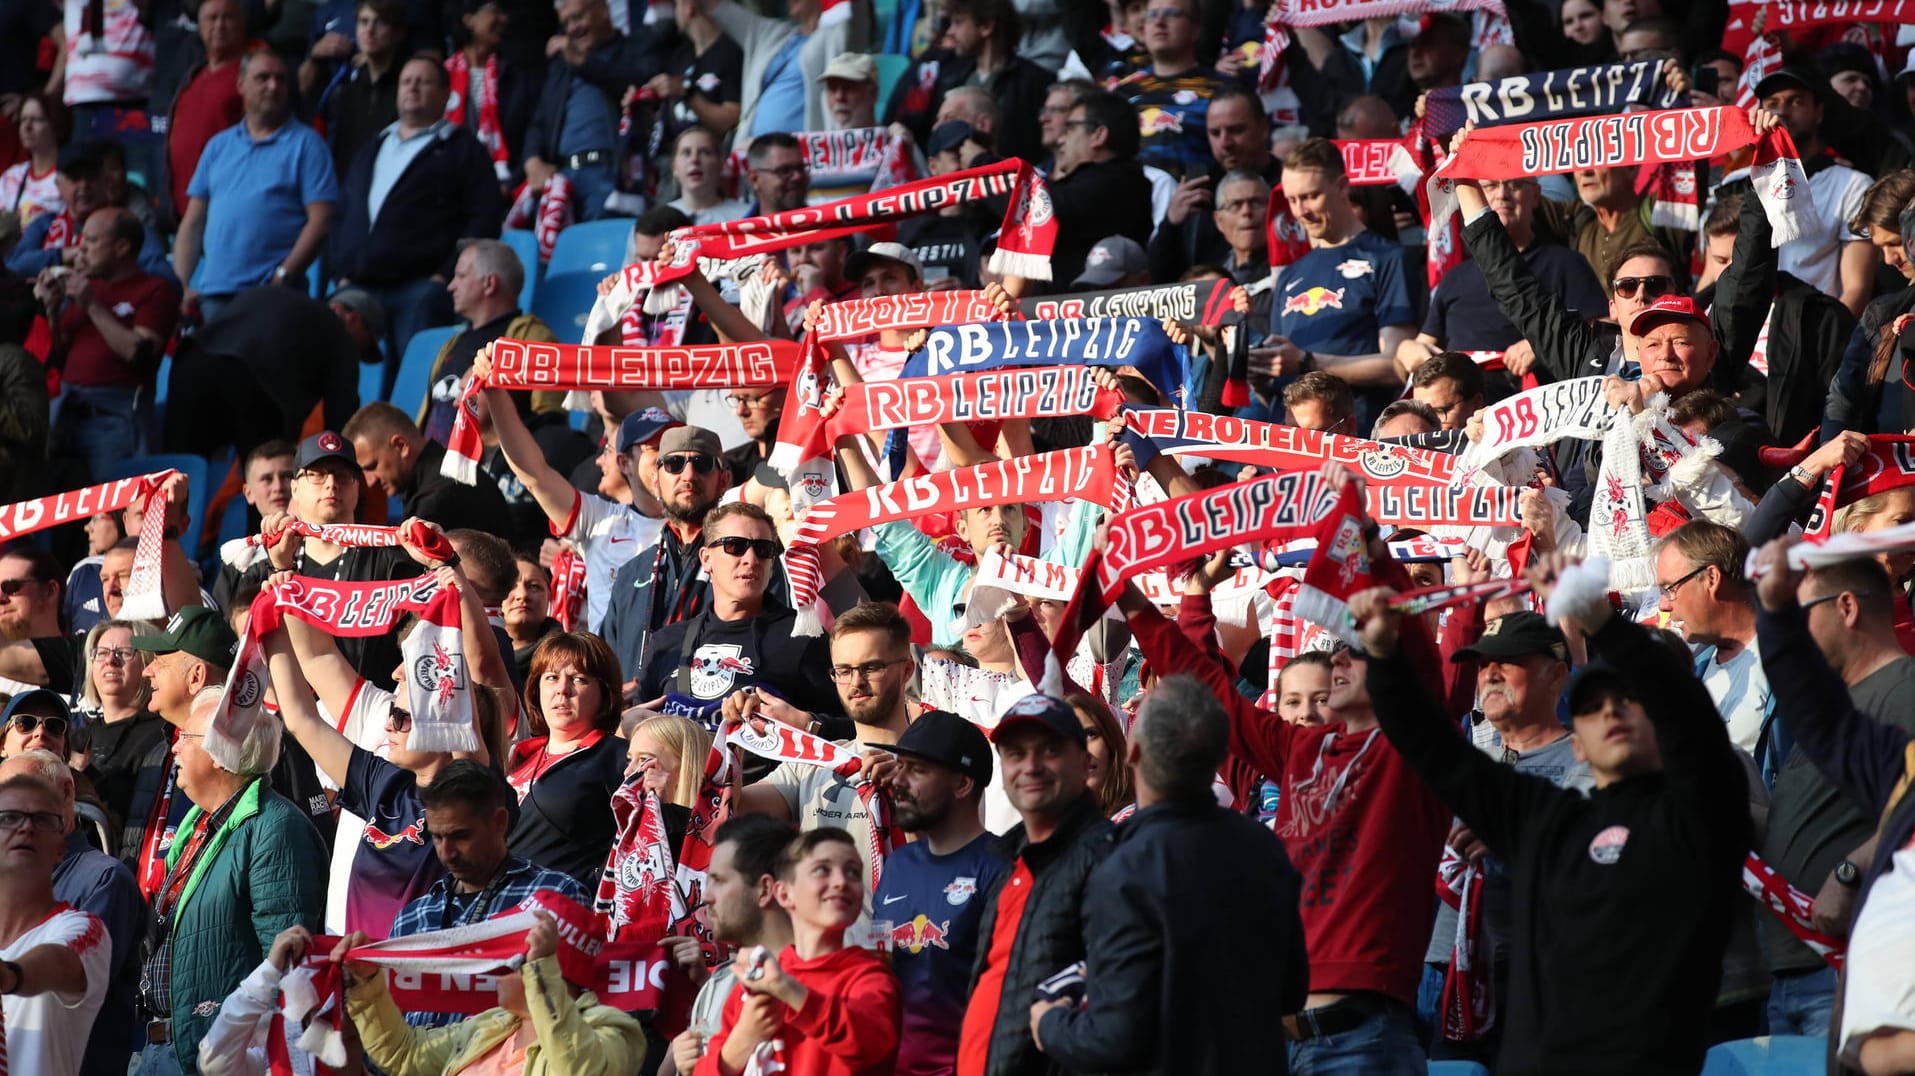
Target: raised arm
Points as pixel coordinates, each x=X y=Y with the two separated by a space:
x=556 y=496
x=1560 y=338
x=331 y=752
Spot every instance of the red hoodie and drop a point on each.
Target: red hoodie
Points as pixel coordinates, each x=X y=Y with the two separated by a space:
x=849 y=1023
x=1359 y=825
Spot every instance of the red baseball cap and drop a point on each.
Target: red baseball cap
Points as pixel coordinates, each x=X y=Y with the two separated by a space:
x=1666 y=309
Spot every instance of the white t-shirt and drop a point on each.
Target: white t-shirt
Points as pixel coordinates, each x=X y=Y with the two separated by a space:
x=47 y=1033
x=116 y=65
x=607 y=534
x=1741 y=691
x=365 y=726
x=28 y=194
x=1879 y=994
x=1815 y=259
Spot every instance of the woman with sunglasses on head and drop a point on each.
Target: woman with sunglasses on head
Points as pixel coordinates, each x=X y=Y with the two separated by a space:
x=743 y=639
x=124 y=733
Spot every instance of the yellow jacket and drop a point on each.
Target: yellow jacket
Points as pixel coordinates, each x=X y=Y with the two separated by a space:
x=577 y=1038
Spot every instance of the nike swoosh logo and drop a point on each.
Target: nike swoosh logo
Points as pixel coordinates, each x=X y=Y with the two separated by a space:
x=893 y=900
x=616 y=541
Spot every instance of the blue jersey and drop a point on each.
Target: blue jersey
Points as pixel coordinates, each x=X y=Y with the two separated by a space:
x=1336 y=300
x=396 y=861
x=933 y=905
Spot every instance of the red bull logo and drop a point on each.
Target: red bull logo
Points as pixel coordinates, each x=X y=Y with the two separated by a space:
x=1155 y=121
x=380 y=839
x=920 y=934
x=1312 y=300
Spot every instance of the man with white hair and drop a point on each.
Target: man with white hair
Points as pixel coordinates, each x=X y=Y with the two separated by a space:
x=54 y=960
x=96 y=883
x=245 y=866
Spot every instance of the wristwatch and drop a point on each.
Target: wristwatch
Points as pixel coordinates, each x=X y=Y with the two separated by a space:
x=280 y=274
x=1800 y=474
x=1846 y=873
x=19 y=977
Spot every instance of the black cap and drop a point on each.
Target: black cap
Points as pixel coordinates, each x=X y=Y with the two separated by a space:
x=82 y=158
x=947 y=136
x=1039 y=708
x=1594 y=682
x=324 y=445
x=945 y=738
x=197 y=630
x=1515 y=635
x=1788 y=76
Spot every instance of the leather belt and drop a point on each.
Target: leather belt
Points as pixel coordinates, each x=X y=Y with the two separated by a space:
x=587 y=159
x=159 y=1032
x=1335 y=1018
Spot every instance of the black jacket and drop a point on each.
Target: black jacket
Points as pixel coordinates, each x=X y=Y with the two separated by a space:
x=356 y=109
x=1019 y=87
x=447 y=193
x=447 y=501
x=1185 y=884
x=1050 y=936
x=1096 y=200
x=1855 y=400
x=610 y=68
x=1176 y=247
x=1622 y=899
x=1808 y=332
x=565 y=821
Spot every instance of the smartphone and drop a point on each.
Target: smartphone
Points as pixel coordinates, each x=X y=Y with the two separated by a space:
x=1707 y=79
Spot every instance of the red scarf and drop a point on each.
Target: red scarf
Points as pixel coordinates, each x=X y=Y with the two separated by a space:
x=546 y=210
x=1468 y=1008
x=144 y=598
x=1792 y=906
x=918 y=310
x=647 y=891
x=568 y=588
x=486 y=91
x=783 y=743
x=60 y=232
x=1889 y=464
x=1339 y=568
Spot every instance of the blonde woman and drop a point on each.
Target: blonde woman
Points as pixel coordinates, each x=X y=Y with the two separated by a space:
x=668 y=752
x=1880 y=512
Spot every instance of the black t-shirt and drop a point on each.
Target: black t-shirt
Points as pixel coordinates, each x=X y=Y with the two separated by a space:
x=448 y=378
x=1466 y=317
x=730 y=654
x=373 y=657
x=118 y=751
x=57 y=654
x=565 y=820
x=948 y=246
x=448 y=502
x=717 y=75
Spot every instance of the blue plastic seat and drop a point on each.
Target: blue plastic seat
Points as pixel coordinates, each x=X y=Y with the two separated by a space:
x=591 y=246
x=1768 y=1055
x=415 y=369
x=370 y=376
x=891 y=68
x=193 y=467
x=1457 y=1068
x=526 y=246
x=563 y=301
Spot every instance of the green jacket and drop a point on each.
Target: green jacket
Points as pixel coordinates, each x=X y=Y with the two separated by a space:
x=262 y=871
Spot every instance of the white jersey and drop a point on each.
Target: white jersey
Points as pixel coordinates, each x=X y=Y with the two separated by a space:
x=115 y=64
x=365 y=725
x=1815 y=259
x=30 y=195
x=47 y=1033
x=607 y=534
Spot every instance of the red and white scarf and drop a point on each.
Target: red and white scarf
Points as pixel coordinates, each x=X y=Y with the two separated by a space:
x=484 y=91
x=568 y=588
x=1468 y=1008
x=866 y=158
x=61 y=231
x=648 y=890
x=1792 y=906
x=525 y=364
x=144 y=597
x=1889 y=464
x=1339 y=568
x=919 y=310
x=783 y=743
x=546 y=210
x=1670 y=135
x=1541 y=416
x=1023 y=245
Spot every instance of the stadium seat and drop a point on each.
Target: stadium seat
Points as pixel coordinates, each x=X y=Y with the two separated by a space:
x=193 y=467
x=232 y=522
x=1768 y=1055
x=1457 y=1068
x=594 y=246
x=526 y=246
x=370 y=375
x=563 y=301
x=415 y=369
x=890 y=68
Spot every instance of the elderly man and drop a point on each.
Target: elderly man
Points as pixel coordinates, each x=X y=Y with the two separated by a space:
x=1699 y=571
x=55 y=961
x=245 y=866
x=113 y=325
x=485 y=285
x=1189 y=878
x=95 y=883
x=850 y=91
x=54 y=238
x=574 y=132
x=261 y=201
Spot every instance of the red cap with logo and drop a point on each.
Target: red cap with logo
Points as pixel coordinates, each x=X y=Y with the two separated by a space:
x=1666 y=309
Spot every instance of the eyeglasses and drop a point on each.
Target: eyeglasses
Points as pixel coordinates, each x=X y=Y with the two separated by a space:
x=1165 y=14
x=10 y=587
x=42 y=821
x=787 y=171
x=1082 y=125
x=112 y=655
x=736 y=401
x=1243 y=205
x=26 y=723
x=1670 y=588
x=735 y=545
x=1653 y=287
x=870 y=670
x=700 y=463
x=1056 y=110
x=1813 y=602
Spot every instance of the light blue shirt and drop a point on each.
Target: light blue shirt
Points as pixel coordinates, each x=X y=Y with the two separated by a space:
x=256 y=192
x=394 y=157
x=781 y=100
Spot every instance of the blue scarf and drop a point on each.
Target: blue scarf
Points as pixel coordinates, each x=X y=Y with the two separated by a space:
x=994 y=345
x=1548 y=95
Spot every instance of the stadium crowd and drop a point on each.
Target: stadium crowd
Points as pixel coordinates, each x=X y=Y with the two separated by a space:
x=1328 y=536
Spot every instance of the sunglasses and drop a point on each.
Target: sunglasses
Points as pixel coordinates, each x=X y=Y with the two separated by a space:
x=10 y=587
x=700 y=464
x=398 y=720
x=26 y=723
x=735 y=546
x=1653 y=287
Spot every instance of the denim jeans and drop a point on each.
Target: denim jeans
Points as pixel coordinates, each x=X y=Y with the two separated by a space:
x=1799 y=1002
x=98 y=425
x=590 y=186
x=1384 y=1044
x=158 y=1061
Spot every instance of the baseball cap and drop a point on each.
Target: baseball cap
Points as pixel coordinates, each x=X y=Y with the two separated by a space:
x=1112 y=259
x=84 y=157
x=1666 y=309
x=860 y=261
x=362 y=303
x=43 y=699
x=852 y=67
x=1515 y=635
x=1791 y=77
x=1052 y=713
x=948 y=136
x=197 y=630
x=324 y=445
x=689 y=439
x=945 y=738
x=643 y=426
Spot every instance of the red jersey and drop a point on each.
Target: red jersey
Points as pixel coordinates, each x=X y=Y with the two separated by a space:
x=848 y=1026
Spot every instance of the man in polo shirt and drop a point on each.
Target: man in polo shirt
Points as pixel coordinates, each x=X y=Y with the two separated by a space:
x=260 y=203
x=1062 y=838
x=112 y=326
x=930 y=902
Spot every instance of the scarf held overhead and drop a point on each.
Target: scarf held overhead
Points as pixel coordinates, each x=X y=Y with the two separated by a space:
x=144 y=598
x=1199 y=302
x=1574 y=91
x=1134 y=342
x=919 y=310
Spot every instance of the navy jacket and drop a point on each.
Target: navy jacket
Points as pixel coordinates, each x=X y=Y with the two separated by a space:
x=449 y=192
x=610 y=68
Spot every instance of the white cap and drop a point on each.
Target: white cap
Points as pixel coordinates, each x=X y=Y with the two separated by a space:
x=855 y=266
x=852 y=67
